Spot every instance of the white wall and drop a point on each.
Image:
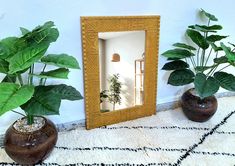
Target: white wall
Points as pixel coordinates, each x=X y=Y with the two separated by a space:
x=176 y=15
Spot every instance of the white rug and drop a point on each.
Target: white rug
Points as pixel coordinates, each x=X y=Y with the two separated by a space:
x=165 y=139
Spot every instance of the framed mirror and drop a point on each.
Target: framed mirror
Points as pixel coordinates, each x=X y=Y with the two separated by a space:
x=120 y=59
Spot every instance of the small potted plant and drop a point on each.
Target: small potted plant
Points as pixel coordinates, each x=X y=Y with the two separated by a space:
x=202 y=62
x=30 y=139
x=114 y=90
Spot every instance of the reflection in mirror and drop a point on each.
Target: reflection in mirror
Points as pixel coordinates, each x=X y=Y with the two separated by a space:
x=121 y=59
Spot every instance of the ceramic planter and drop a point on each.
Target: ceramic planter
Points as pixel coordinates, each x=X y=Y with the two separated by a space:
x=32 y=147
x=197 y=109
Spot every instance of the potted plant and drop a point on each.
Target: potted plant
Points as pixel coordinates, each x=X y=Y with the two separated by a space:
x=30 y=139
x=202 y=62
x=114 y=90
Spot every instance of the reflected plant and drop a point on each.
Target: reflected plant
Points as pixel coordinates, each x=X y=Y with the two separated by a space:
x=103 y=96
x=114 y=90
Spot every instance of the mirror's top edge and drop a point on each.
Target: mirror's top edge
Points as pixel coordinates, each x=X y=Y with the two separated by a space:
x=107 y=17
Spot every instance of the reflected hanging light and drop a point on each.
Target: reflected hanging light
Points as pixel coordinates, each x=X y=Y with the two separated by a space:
x=115 y=57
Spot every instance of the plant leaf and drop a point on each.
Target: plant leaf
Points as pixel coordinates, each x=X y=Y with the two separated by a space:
x=228 y=53
x=181 y=77
x=24 y=30
x=215 y=48
x=204 y=86
x=9 y=78
x=177 y=53
x=63 y=92
x=210 y=16
x=220 y=60
x=175 y=65
x=214 y=38
x=197 y=38
x=3 y=66
x=12 y=96
x=41 y=34
x=42 y=103
x=57 y=73
x=226 y=81
x=25 y=58
x=204 y=28
x=7 y=47
x=185 y=46
x=47 y=99
x=61 y=60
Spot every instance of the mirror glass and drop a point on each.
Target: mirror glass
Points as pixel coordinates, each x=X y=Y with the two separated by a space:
x=121 y=65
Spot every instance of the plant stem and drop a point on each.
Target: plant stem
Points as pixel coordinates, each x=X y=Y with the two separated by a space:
x=208 y=57
x=31 y=73
x=224 y=67
x=198 y=51
x=41 y=79
x=202 y=58
x=20 y=79
x=17 y=112
x=44 y=67
x=30 y=119
x=192 y=61
x=208 y=22
x=45 y=81
x=211 y=71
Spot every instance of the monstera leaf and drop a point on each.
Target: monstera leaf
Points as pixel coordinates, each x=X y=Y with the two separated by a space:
x=46 y=99
x=205 y=86
x=13 y=95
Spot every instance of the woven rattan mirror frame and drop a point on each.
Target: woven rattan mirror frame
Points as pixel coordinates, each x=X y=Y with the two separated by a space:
x=90 y=28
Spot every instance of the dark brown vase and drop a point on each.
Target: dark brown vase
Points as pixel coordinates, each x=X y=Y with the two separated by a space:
x=197 y=109
x=30 y=148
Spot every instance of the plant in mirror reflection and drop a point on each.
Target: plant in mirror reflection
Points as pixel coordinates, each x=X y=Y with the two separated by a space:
x=207 y=76
x=114 y=90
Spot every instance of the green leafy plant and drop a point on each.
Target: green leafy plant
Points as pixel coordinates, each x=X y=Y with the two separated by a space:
x=114 y=90
x=207 y=77
x=103 y=95
x=20 y=56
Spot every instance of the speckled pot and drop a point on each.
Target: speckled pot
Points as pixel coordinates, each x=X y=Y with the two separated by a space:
x=33 y=147
x=197 y=109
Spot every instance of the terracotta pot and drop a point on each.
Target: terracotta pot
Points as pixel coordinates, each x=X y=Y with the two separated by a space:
x=197 y=109
x=33 y=147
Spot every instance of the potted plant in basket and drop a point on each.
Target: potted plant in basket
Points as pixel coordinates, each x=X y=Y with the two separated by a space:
x=30 y=139
x=202 y=63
